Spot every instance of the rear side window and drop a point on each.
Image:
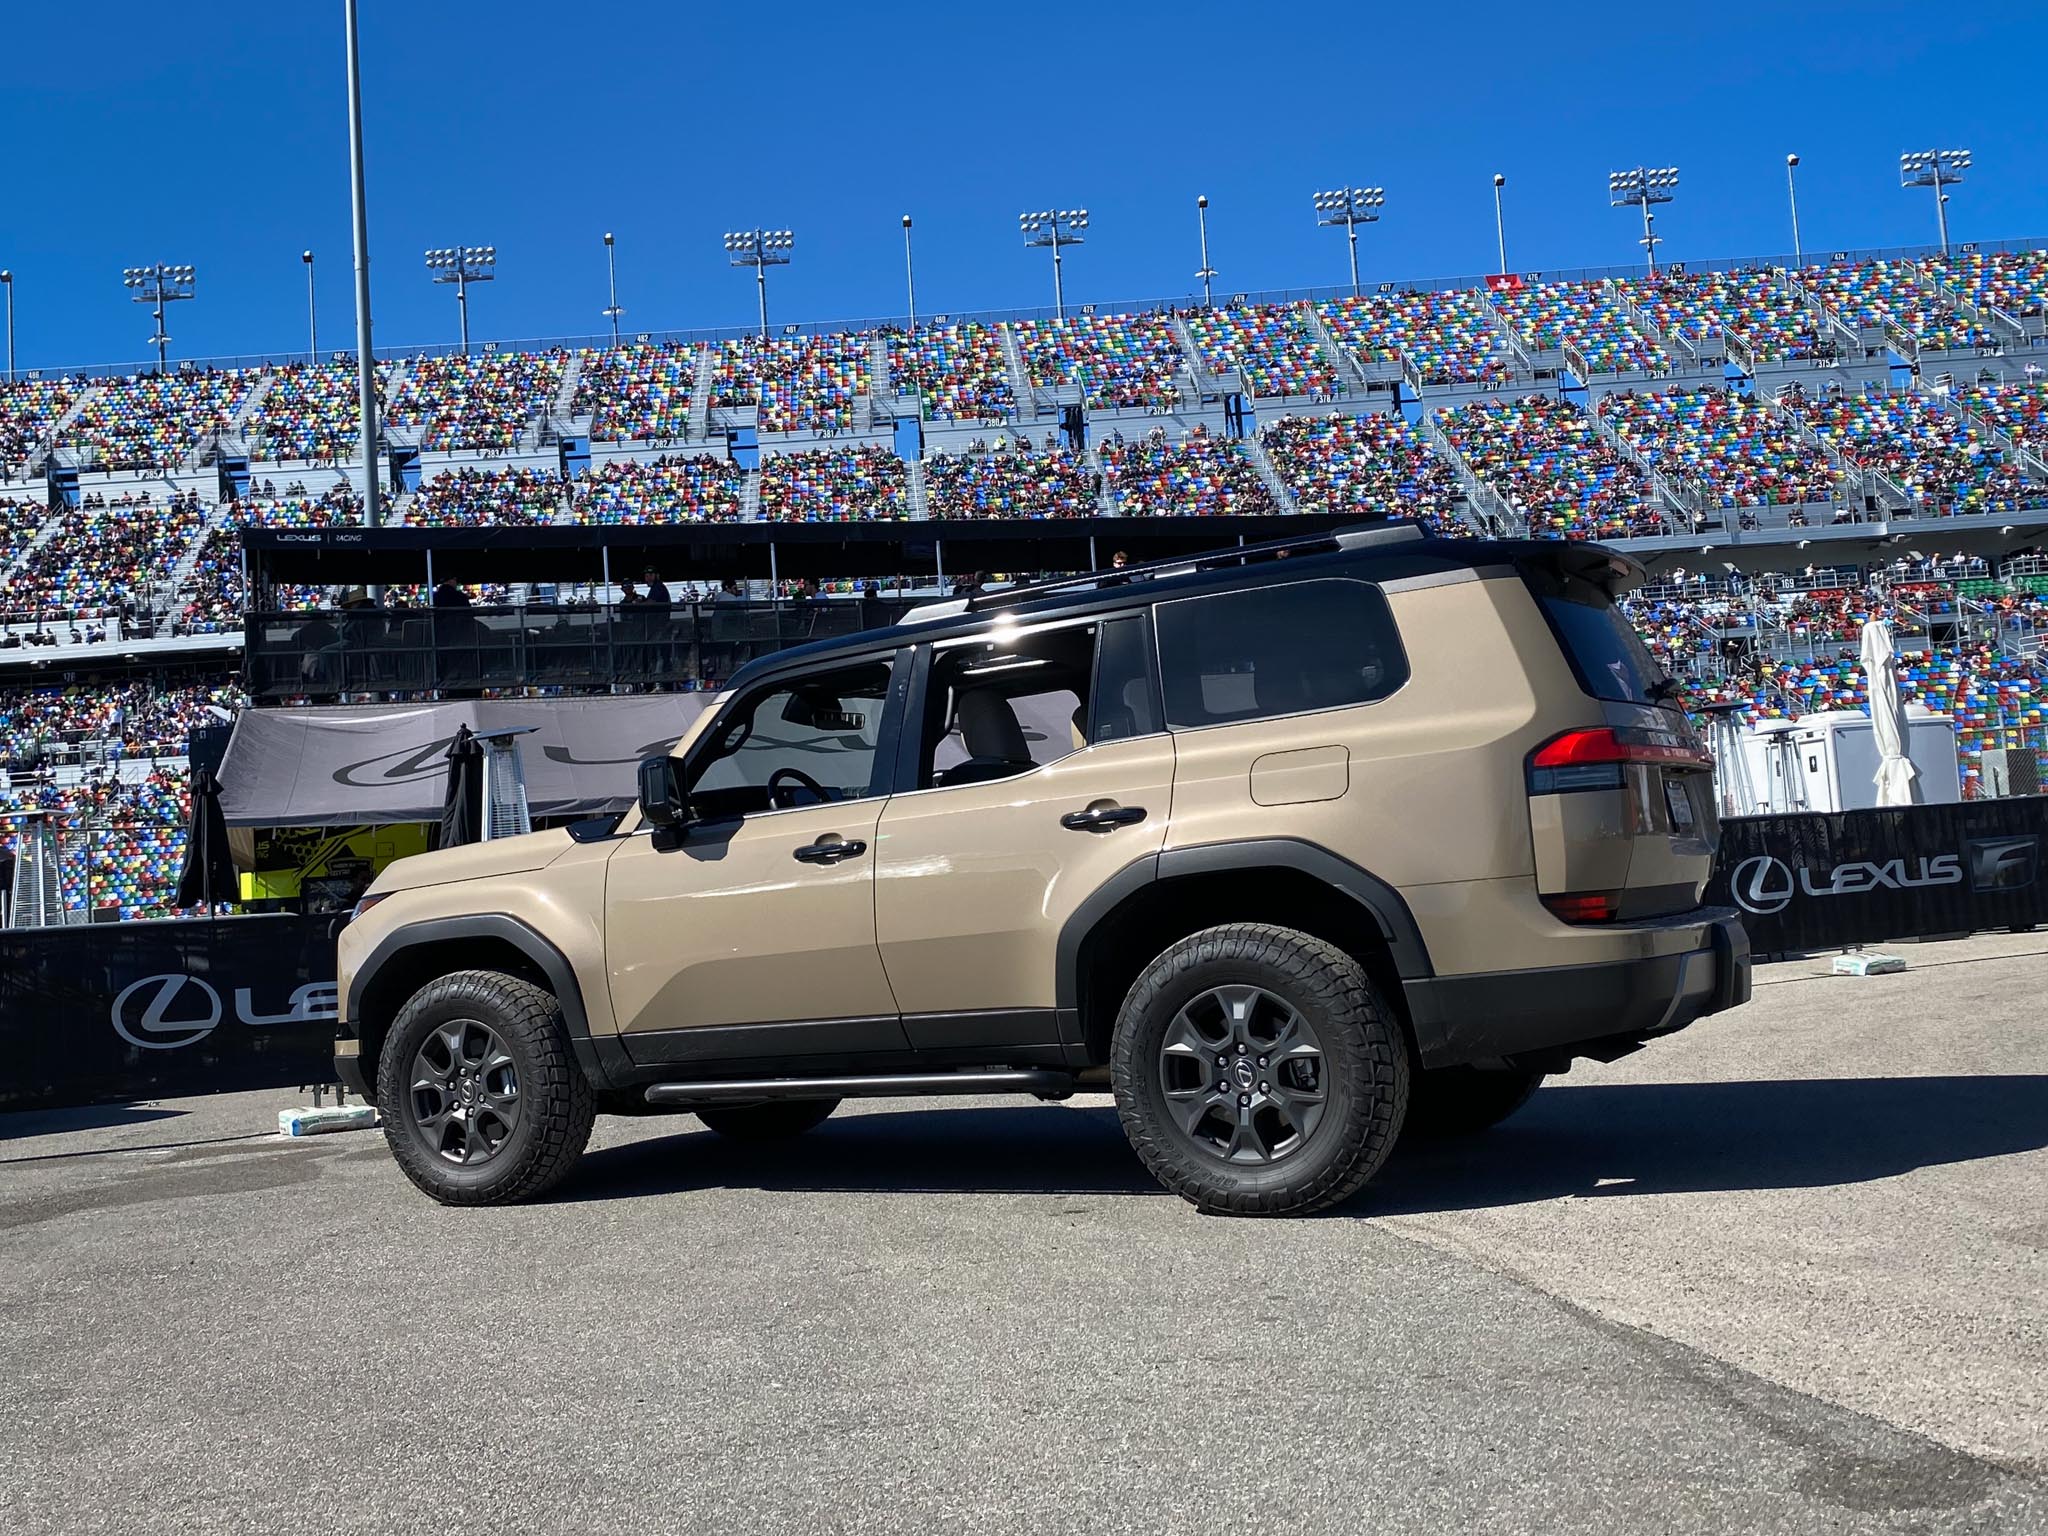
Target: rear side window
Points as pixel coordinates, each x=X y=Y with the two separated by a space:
x=1277 y=650
x=1598 y=639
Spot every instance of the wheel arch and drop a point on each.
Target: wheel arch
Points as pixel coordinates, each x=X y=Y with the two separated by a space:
x=410 y=956
x=1148 y=905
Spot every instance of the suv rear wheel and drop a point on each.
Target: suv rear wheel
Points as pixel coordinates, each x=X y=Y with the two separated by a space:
x=775 y=1121
x=1257 y=1072
x=482 y=1100
x=1463 y=1101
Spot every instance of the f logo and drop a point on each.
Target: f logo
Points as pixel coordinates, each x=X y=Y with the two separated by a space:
x=1762 y=885
x=2002 y=863
x=140 y=1012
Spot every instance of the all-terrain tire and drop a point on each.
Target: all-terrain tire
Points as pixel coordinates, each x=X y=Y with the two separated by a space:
x=555 y=1106
x=777 y=1120
x=1463 y=1101
x=1364 y=1071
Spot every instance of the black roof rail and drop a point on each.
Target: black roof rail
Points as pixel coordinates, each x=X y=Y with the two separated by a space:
x=1393 y=531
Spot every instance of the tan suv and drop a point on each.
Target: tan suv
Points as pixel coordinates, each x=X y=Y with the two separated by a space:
x=1287 y=846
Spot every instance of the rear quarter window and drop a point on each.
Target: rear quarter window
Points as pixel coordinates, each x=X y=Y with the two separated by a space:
x=1277 y=650
x=1606 y=653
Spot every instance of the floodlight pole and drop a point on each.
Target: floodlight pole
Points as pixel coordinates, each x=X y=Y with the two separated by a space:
x=7 y=282
x=1792 y=193
x=1940 y=208
x=1500 y=228
x=312 y=315
x=462 y=297
x=611 y=268
x=1351 y=236
x=910 y=290
x=1208 y=273
x=366 y=363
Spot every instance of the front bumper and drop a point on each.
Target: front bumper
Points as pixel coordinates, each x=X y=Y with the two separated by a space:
x=1602 y=1010
x=348 y=1067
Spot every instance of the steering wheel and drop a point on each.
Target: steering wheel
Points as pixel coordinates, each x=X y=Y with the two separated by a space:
x=801 y=780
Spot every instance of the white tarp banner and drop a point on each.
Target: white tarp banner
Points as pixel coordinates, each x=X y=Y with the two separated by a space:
x=365 y=764
x=1895 y=771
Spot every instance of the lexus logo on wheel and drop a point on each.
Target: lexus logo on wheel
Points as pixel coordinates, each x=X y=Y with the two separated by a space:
x=143 y=1012
x=1762 y=884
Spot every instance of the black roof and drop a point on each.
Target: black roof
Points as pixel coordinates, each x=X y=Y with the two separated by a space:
x=1387 y=551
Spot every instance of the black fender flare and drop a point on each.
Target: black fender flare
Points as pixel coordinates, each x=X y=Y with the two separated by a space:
x=1389 y=912
x=553 y=964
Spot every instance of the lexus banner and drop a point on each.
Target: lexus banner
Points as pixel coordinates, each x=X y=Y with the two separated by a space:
x=1864 y=877
x=106 y=1012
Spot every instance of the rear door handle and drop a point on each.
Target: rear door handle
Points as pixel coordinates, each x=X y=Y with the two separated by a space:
x=830 y=850
x=1103 y=818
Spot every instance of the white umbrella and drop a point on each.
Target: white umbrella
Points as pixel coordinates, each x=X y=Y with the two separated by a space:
x=1895 y=772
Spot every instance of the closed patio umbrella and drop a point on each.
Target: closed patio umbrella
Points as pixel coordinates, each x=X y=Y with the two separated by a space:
x=1895 y=771
x=462 y=812
x=209 y=873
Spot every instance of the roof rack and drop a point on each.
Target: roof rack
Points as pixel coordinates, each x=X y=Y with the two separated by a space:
x=1393 y=531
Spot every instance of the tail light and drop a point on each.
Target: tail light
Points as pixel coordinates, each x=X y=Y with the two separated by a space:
x=1595 y=758
x=1585 y=906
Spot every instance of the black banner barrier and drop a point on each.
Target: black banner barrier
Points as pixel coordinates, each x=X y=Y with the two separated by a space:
x=1819 y=881
x=108 y=1012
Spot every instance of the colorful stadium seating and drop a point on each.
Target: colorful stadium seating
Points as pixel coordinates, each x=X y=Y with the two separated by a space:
x=29 y=410
x=155 y=420
x=104 y=557
x=485 y=401
x=637 y=394
x=1929 y=453
x=1273 y=347
x=1771 y=323
x=867 y=482
x=309 y=412
x=1374 y=465
x=1591 y=318
x=1196 y=476
x=1897 y=296
x=1120 y=361
x=1549 y=460
x=959 y=369
x=1739 y=452
x=678 y=488
x=1447 y=335
x=1010 y=483
x=487 y=498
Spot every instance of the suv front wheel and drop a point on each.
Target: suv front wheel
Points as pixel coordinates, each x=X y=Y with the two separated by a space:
x=1258 y=1072
x=481 y=1097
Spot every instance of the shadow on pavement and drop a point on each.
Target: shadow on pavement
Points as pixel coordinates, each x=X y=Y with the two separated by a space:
x=1601 y=1141
x=1665 y=1138
x=87 y=1117
x=1038 y=1149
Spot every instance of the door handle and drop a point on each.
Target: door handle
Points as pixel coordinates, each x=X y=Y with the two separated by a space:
x=1102 y=818
x=830 y=850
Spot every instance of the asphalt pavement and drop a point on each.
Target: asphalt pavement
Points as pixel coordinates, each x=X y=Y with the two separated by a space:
x=1787 y=1272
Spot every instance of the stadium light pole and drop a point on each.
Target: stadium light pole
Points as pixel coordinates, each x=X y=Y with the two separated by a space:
x=463 y=265
x=1792 y=192
x=1936 y=168
x=910 y=289
x=612 y=310
x=1058 y=228
x=1349 y=207
x=7 y=282
x=159 y=285
x=366 y=362
x=1500 y=228
x=1208 y=273
x=760 y=249
x=1642 y=188
x=312 y=315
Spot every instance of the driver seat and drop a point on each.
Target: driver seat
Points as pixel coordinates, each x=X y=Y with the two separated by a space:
x=992 y=737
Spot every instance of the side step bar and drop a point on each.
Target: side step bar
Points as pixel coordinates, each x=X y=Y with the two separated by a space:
x=881 y=1086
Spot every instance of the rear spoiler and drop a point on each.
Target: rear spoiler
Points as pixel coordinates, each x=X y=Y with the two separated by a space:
x=1610 y=570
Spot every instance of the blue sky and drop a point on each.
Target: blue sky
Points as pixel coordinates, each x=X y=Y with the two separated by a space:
x=221 y=141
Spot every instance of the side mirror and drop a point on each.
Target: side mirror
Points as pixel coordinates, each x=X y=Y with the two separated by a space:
x=658 y=800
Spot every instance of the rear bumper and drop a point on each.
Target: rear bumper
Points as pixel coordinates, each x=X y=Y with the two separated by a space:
x=1602 y=1010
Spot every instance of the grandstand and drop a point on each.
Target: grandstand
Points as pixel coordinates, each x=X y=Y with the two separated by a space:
x=1865 y=433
